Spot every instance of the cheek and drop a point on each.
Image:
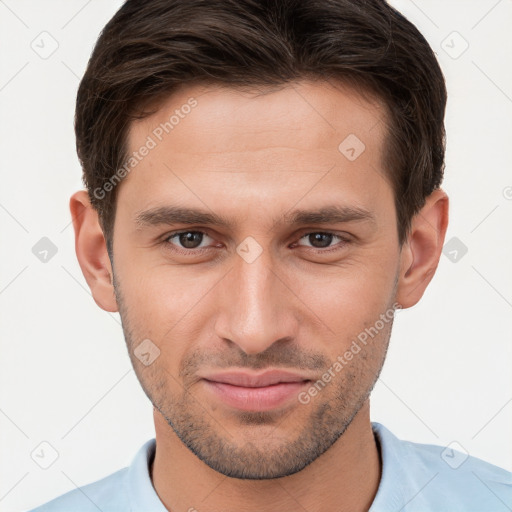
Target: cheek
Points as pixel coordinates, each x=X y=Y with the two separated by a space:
x=162 y=303
x=353 y=295
x=164 y=299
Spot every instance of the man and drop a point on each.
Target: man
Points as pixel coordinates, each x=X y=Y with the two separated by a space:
x=263 y=192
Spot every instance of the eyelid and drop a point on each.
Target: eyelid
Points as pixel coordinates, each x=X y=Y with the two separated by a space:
x=344 y=239
x=307 y=232
x=173 y=234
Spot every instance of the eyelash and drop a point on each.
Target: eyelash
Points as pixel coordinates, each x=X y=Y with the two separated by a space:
x=194 y=252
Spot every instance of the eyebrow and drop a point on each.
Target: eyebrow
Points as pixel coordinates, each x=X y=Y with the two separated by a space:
x=331 y=214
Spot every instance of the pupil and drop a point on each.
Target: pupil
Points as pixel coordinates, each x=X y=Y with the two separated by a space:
x=187 y=239
x=316 y=238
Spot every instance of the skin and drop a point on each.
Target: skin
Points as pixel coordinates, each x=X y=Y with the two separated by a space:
x=253 y=158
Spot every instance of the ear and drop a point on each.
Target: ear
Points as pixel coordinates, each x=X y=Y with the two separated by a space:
x=91 y=251
x=421 y=252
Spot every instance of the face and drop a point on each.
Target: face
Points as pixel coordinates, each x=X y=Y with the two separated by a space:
x=247 y=240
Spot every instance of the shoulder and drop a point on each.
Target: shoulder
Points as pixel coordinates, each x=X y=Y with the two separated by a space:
x=108 y=495
x=440 y=478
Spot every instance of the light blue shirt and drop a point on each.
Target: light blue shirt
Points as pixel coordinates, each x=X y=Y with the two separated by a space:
x=415 y=478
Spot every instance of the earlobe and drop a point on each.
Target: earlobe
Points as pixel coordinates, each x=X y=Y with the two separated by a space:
x=421 y=252
x=91 y=251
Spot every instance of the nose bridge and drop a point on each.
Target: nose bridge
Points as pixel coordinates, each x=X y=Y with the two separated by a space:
x=254 y=290
x=256 y=312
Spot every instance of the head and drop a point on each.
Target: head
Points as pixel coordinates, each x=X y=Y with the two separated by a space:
x=262 y=193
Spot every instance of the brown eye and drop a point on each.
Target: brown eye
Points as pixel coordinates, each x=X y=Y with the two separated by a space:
x=320 y=240
x=191 y=239
x=323 y=240
x=186 y=239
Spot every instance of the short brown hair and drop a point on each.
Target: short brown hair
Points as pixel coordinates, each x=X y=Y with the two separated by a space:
x=151 y=47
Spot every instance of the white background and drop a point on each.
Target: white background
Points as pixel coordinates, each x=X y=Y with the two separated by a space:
x=65 y=376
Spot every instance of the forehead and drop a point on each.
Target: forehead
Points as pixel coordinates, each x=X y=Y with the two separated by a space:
x=305 y=115
x=271 y=146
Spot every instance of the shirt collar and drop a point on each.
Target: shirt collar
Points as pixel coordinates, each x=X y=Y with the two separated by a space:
x=142 y=493
x=389 y=493
x=394 y=479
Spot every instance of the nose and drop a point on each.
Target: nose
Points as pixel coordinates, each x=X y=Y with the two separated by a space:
x=257 y=307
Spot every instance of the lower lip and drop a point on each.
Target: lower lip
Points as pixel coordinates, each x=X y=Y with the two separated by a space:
x=256 y=399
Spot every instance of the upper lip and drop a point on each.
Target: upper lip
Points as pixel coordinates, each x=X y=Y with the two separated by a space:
x=251 y=380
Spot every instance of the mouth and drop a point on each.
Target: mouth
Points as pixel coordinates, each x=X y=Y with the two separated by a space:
x=256 y=392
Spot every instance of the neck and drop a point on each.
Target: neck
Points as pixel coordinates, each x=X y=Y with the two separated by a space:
x=344 y=478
